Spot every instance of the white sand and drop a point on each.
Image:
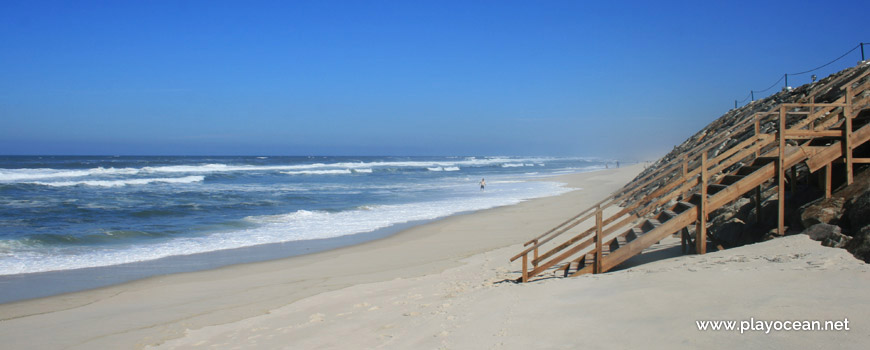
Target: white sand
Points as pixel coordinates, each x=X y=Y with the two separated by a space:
x=440 y=285
x=651 y=306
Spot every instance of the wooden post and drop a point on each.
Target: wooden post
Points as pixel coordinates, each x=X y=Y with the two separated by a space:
x=685 y=166
x=757 y=132
x=847 y=112
x=534 y=263
x=525 y=267
x=780 y=178
x=597 y=266
x=758 y=217
x=682 y=242
x=701 y=230
x=828 y=180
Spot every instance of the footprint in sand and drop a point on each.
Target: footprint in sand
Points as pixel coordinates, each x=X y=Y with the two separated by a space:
x=318 y=317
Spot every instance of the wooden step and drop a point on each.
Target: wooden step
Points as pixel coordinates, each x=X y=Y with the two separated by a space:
x=682 y=206
x=696 y=199
x=824 y=141
x=633 y=234
x=746 y=170
x=616 y=243
x=574 y=266
x=712 y=189
x=762 y=161
x=730 y=179
x=665 y=215
x=649 y=225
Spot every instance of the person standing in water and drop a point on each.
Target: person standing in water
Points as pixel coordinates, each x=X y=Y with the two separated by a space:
x=482 y=184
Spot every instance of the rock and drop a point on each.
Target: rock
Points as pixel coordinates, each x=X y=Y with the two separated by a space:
x=731 y=232
x=829 y=235
x=858 y=211
x=744 y=207
x=836 y=240
x=859 y=246
x=825 y=211
x=721 y=215
x=820 y=232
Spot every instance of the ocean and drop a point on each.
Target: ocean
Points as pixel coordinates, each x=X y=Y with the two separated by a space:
x=66 y=213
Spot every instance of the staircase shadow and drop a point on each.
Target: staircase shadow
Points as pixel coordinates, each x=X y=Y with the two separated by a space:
x=657 y=252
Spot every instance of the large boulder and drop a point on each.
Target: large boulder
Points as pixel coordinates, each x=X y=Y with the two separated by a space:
x=820 y=232
x=829 y=235
x=858 y=211
x=825 y=211
x=732 y=232
x=859 y=246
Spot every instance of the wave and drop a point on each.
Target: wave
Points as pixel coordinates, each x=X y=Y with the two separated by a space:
x=446 y=168
x=28 y=174
x=121 y=183
x=39 y=174
x=299 y=225
x=318 y=172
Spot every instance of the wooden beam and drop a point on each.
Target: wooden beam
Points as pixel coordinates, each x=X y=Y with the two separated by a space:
x=847 y=138
x=685 y=167
x=535 y=257
x=684 y=237
x=860 y=160
x=598 y=246
x=828 y=180
x=757 y=132
x=701 y=230
x=780 y=174
x=758 y=218
x=810 y=134
x=525 y=268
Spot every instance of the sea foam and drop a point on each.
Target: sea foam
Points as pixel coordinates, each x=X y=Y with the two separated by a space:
x=120 y=183
x=295 y=226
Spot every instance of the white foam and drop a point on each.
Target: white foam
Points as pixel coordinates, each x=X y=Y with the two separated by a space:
x=12 y=175
x=318 y=172
x=363 y=171
x=40 y=174
x=512 y=165
x=451 y=168
x=120 y=183
x=295 y=226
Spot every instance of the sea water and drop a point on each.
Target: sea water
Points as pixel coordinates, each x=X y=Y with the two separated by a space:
x=64 y=213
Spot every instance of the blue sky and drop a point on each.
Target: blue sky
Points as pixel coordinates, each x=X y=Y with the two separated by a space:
x=612 y=78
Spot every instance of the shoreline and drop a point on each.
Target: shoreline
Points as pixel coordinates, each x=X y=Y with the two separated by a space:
x=162 y=307
x=35 y=285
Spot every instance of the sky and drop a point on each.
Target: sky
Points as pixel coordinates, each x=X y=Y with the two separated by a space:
x=616 y=79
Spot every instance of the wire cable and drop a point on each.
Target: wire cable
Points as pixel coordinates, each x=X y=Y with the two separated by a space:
x=771 y=86
x=826 y=64
x=751 y=92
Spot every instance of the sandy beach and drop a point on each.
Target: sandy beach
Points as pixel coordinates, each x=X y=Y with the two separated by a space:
x=446 y=284
x=153 y=310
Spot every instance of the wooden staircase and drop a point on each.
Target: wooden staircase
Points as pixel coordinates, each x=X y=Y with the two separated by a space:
x=719 y=169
